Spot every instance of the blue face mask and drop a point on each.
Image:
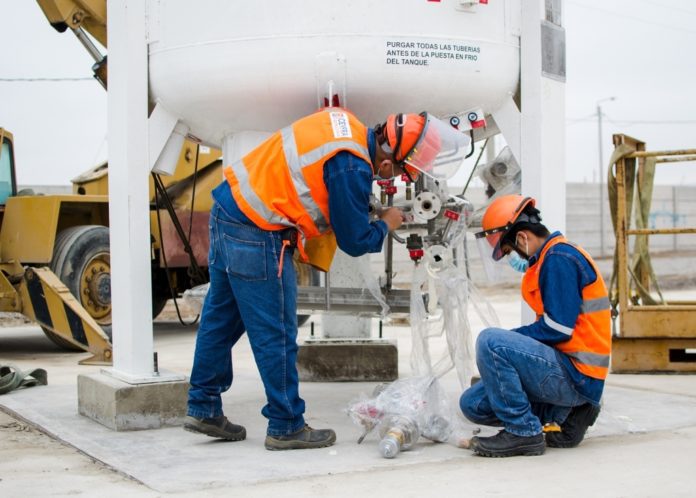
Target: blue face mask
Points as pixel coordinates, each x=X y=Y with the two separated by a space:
x=517 y=263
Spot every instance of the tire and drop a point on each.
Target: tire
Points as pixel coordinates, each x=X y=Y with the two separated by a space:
x=160 y=291
x=81 y=253
x=82 y=261
x=306 y=276
x=158 y=304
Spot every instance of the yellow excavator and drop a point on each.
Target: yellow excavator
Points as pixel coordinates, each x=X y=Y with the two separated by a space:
x=54 y=249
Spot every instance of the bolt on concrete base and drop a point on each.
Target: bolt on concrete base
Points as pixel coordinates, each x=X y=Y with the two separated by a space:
x=121 y=406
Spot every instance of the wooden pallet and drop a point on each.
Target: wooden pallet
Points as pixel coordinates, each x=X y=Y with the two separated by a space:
x=652 y=355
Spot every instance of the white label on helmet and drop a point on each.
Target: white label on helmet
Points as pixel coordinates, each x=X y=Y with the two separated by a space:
x=340 y=124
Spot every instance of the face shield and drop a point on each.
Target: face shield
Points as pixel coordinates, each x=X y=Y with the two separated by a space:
x=492 y=257
x=439 y=151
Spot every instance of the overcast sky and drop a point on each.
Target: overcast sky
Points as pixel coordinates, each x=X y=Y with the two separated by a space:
x=643 y=52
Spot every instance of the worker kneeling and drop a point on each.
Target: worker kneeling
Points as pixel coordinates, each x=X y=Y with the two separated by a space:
x=306 y=181
x=553 y=370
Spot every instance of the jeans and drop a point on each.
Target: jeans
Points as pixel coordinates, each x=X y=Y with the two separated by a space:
x=523 y=384
x=246 y=294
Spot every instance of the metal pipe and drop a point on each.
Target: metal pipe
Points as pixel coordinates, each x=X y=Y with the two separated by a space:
x=684 y=159
x=445 y=231
x=327 y=295
x=351 y=301
x=674 y=217
x=643 y=153
x=473 y=170
x=88 y=44
x=660 y=231
x=662 y=307
x=400 y=240
x=601 y=175
x=389 y=255
x=601 y=183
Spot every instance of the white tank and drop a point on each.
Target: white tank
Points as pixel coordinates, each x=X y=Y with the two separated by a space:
x=226 y=66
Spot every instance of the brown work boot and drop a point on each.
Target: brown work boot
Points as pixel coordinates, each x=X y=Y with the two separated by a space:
x=303 y=439
x=218 y=427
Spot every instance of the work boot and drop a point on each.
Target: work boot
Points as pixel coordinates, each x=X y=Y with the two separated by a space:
x=574 y=428
x=302 y=439
x=218 y=427
x=506 y=444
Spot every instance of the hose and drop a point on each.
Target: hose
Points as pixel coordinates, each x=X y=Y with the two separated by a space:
x=194 y=270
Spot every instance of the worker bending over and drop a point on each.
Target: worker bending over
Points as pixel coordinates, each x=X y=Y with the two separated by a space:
x=553 y=370
x=307 y=180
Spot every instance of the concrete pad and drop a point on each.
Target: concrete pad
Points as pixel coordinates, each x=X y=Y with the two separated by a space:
x=125 y=407
x=327 y=360
x=643 y=444
x=172 y=460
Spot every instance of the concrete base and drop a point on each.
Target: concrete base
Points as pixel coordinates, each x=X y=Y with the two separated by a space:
x=324 y=360
x=124 y=407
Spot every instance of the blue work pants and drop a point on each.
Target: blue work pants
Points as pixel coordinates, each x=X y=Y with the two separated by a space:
x=246 y=294
x=523 y=384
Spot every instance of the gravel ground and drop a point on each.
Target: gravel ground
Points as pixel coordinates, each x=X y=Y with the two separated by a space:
x=27 y=455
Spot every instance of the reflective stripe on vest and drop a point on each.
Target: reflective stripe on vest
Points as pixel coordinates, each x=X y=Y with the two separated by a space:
x=592 y=305
x=280 y=183
x=296 y=163
x=253 y=199
x=594 y=359
x=589 y=344
x=557 y=326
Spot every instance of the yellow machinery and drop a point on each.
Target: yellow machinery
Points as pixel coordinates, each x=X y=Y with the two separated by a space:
x=54 y=249
x=27 y=241
x=655 y=334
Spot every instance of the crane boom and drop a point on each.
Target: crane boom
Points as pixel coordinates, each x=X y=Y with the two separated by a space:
x=82 y=17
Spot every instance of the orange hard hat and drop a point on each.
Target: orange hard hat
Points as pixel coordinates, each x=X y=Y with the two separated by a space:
x=402 y=132
x=500 y=216
x=422 y=143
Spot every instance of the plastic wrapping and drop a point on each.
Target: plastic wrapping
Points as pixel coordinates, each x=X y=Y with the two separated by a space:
x=455 y=228
x=451 y=291
x=195 y=296
x=477 y=216
x=405 y=410
x=502 y=172
x=370 y=282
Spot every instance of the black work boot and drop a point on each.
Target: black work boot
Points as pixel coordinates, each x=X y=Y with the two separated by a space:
x=302 y=439
x=574 y=428
x=218 y=427
x=506 y=444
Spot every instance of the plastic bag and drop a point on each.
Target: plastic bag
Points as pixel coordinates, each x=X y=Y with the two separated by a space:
x=399 y=408
x=195 y=296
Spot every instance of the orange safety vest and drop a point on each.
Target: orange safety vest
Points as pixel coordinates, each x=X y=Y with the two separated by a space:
x=589 y=347
x=280 y=183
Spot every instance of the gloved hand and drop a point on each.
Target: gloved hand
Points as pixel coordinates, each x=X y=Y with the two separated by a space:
x=393 y=217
